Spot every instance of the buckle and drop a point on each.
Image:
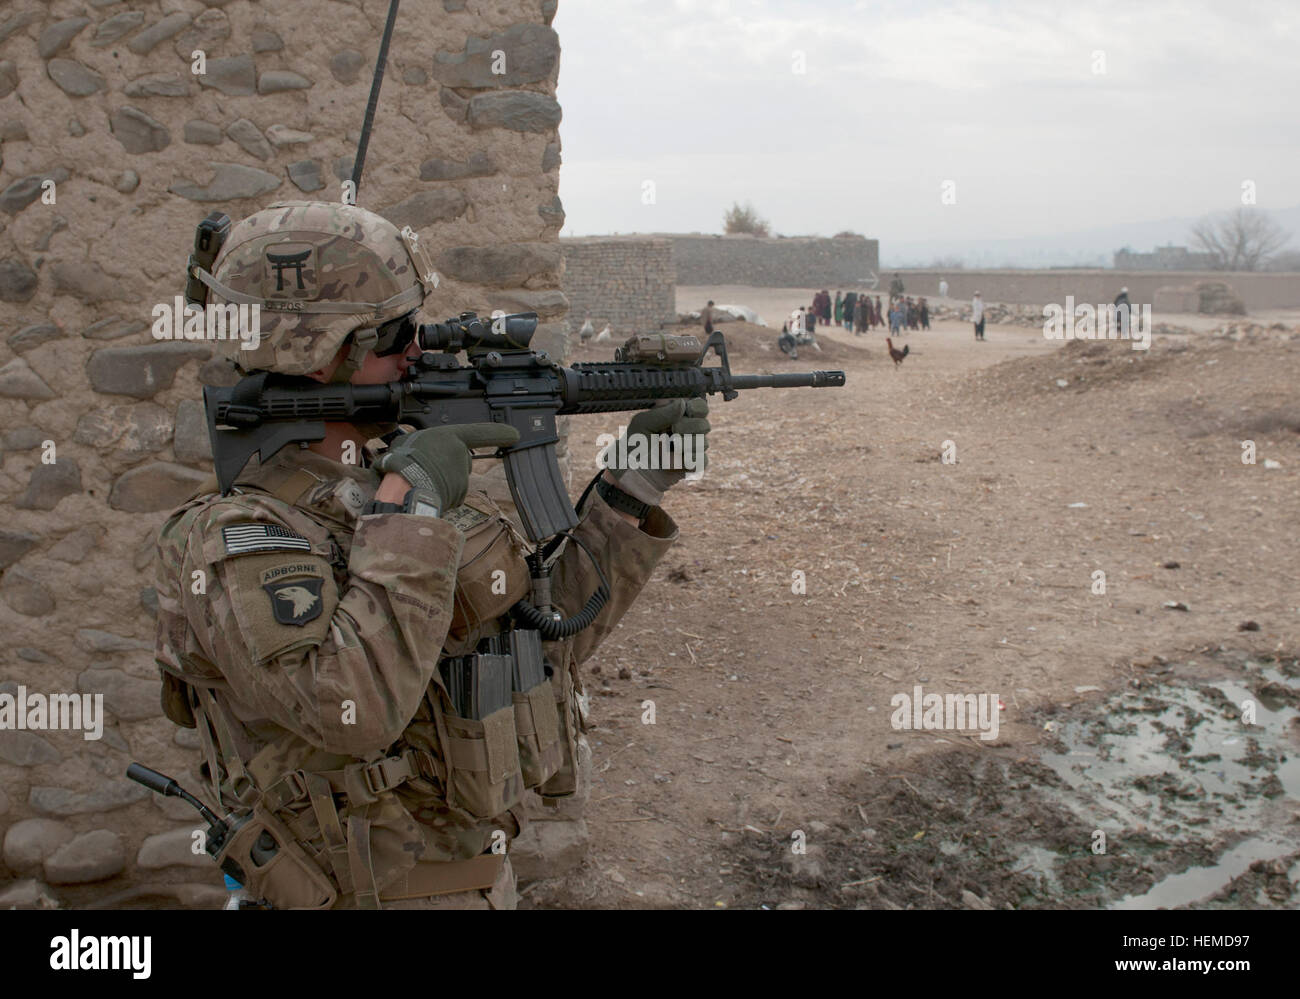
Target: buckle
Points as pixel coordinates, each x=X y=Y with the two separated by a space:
x=386 y=774
x=240 y=787
x=297 y=783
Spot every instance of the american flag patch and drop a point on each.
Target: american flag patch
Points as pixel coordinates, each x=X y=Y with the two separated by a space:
x=244 y=538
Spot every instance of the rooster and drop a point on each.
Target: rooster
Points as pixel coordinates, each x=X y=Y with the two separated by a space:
x=897 y=355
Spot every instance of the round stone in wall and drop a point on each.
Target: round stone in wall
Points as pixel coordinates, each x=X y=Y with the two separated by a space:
x=346 y=65
x=74 y=78
x=202 y=133
x=138 y=132
x=49 y=484
x=90 y=857
x=57 y=36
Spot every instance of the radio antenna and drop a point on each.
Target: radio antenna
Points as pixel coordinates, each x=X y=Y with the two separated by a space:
x=360 y=161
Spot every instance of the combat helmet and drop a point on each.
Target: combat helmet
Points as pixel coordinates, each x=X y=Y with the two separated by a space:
x=320 y=272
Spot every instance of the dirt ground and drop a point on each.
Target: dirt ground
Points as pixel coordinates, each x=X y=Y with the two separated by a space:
x=772 y=775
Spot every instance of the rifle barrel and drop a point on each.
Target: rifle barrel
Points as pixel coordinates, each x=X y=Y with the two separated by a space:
x=790 y=379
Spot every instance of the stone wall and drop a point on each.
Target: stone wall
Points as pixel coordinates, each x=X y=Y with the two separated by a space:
x=100 y=427
x=791 y=262
x=1037 y=287
x=627 y=282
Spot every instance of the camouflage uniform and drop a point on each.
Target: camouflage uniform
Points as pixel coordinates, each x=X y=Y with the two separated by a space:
x=303 y=639
x=380 y=595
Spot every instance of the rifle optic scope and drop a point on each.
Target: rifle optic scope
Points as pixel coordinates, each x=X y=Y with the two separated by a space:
x=471 y=333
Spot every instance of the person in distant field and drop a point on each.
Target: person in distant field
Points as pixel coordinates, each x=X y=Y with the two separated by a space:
x=839 y=308
x=909 y=313
x=977 y=315
x=1122 y=311
x=850 y=301
x=802 y=330
x=826 y=307
x=880 y=315
x=799 y=321
x=894 y=317
x=925 y=315
x=707 y=316
x=896 y=287
x=943 y=288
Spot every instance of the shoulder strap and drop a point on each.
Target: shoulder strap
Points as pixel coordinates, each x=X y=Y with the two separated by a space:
x=287 y=486
x=213 y=721
x=290 y=489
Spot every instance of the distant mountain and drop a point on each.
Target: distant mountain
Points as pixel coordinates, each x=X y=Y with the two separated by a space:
x=1084 y=248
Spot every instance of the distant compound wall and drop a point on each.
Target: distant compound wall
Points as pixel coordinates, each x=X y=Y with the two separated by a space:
x=625 y=281
x=99 y=99
x=774 y=262
x=1032 y=287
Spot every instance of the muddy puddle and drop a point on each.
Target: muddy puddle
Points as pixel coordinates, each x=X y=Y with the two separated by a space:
x=1180 y=791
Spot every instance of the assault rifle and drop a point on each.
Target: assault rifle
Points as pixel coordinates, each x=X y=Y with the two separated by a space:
x=505 y=381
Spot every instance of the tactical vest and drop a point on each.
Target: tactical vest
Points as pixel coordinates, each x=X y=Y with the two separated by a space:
x=322 y=830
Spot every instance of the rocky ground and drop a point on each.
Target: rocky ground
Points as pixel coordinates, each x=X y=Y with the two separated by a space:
x=1122 y=710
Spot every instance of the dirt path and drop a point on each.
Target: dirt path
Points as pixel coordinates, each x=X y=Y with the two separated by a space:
x=773 y=708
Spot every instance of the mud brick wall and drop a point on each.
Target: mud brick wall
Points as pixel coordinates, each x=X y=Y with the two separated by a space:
x=626 y=282
x=773 y=262
x=99 y=97
x=1257 y=290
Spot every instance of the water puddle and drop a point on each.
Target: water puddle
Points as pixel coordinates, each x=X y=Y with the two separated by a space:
x=1179 y=764
x=1199 y=883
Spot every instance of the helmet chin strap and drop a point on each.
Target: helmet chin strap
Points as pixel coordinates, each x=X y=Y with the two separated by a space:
x=359 y=343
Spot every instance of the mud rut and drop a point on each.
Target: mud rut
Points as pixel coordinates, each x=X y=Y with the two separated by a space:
x=772 y=709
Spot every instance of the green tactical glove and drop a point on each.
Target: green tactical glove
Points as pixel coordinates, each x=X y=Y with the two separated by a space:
x=677 y=416
x=437 y=458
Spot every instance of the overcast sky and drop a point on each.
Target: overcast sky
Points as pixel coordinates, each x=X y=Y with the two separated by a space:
x=703 y=98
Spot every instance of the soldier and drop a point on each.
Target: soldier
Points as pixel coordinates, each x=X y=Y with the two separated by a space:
x=312 y=623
